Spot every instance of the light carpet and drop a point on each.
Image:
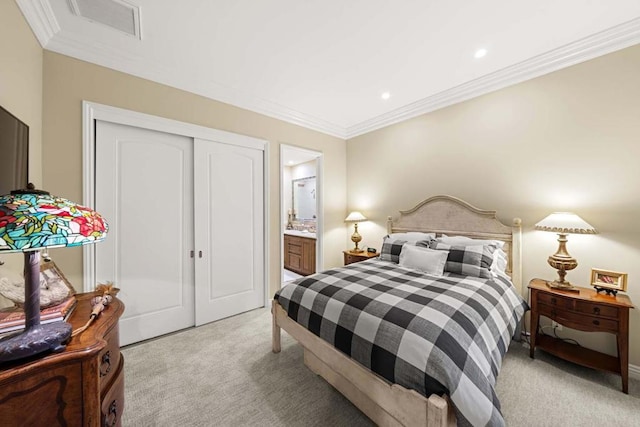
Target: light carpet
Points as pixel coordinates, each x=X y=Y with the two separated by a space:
x=224 y=374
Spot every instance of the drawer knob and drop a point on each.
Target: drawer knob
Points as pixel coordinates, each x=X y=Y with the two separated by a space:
x=105 y=365
x=596 y=322
x=111 y=417
x=596 y=310
x=553 y=300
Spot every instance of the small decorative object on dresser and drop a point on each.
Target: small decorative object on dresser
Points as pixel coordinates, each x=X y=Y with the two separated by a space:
x=608 y=281
x=584 y=310
x=564 y=223
x=54 y=287
x=355 y=217
x=350 y=256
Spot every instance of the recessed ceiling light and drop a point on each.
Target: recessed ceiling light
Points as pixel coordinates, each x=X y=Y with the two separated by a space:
x=480 y=53
x=385 y=95
x=290 y=162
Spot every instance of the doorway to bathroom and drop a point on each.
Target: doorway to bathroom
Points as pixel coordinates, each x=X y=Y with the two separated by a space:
x=301 y=213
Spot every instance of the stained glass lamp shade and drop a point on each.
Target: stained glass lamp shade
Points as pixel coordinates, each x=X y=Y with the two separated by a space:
x=31 y=220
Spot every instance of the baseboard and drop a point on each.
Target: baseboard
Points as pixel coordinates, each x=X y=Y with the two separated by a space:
x=634 y=371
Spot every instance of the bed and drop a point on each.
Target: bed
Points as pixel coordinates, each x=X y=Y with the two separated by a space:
x=387 y=387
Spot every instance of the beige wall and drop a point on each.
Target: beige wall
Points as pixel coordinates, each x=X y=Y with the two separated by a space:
x=21 y=91
x=566 y=141
x=67 y=82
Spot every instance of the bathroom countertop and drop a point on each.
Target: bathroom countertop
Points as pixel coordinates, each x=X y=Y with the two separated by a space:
x=300 y=233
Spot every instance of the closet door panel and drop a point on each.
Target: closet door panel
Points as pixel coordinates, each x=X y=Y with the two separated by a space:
x=229 y=224
x=144 y=188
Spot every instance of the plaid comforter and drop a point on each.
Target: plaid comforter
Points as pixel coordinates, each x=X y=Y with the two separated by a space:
x=432 y=334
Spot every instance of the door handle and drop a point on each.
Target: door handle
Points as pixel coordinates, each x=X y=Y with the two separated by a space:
x=199 y=254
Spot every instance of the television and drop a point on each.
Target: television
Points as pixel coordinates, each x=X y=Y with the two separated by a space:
x=14 y=153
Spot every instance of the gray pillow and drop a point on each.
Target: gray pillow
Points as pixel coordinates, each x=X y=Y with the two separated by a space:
x=391 y=249
x=474 y=261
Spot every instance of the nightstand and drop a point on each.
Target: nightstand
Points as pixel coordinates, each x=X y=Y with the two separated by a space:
x=587 y=311
x=351 y=257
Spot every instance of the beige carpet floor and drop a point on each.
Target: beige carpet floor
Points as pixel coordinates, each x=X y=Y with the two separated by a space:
x=224 y=374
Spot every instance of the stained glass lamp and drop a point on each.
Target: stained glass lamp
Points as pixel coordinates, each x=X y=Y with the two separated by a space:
x=31 y=220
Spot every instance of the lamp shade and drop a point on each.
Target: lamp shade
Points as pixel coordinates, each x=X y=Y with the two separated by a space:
x=355 y=216
x=565 y=222
x=33 y=219
x=30 y=220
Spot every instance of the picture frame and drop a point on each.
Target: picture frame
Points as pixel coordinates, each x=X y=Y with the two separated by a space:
x=608 y=280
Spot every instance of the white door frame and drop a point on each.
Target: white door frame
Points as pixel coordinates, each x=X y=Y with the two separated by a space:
x=92 y=111
x=319 y=156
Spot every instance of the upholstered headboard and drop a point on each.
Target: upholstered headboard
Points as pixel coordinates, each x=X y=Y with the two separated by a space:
x=454 y=217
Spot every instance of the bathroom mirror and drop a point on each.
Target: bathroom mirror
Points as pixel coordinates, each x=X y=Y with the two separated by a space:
x=304 y=198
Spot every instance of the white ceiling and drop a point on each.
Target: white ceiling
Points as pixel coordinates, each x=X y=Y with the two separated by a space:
x=324 y=64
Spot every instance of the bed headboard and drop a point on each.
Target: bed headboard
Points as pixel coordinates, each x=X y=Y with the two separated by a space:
x=454 y=217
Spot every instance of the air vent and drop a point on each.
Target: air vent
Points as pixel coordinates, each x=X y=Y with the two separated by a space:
x=117 y=14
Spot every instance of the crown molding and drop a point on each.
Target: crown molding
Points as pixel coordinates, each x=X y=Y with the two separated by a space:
x=41 y=19
x=607 y=41
x=67 y=43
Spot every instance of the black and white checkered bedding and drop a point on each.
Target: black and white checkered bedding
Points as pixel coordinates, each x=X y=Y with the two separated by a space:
x=432 y=334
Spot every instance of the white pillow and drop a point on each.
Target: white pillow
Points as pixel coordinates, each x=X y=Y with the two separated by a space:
x=499 y=263
x=427 y=260
x=468 y=241
x=411 y=236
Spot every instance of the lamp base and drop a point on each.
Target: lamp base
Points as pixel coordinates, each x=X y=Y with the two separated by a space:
x=562 y=286
x=35 y=340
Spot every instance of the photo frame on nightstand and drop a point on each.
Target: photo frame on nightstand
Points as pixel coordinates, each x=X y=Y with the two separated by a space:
x=608 y=281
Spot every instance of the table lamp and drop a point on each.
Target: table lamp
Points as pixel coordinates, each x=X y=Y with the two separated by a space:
x=31 y=220
x=563 y=223
x=355 y=217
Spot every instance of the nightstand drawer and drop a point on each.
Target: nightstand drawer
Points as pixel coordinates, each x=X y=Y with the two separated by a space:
x=555 y=301
x=599 y=310
x=578 y=320
x=350 y=259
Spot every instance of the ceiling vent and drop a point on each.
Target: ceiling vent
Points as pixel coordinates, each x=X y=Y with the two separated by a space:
x=117 y=14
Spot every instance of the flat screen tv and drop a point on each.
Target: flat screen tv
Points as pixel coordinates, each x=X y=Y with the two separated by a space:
x=14 y=153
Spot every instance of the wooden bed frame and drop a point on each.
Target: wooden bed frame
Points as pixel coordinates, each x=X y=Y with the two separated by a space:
x=390 y=404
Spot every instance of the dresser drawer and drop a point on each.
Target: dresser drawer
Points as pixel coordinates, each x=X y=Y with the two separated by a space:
x=598 y=310
x=578 y=321
x=112 y=405
x=109 y=357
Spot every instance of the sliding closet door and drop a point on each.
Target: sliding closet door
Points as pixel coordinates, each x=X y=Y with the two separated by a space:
x=229 y=221
x=144 y=188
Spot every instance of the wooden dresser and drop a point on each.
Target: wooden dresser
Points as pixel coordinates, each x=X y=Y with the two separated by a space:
x=300 y=254
x=585 y=310
x=81 y=386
